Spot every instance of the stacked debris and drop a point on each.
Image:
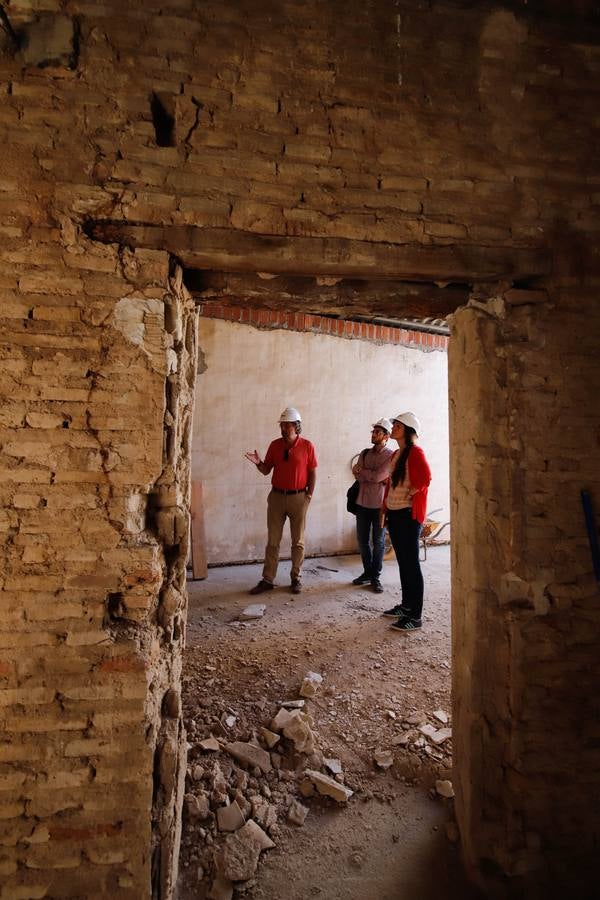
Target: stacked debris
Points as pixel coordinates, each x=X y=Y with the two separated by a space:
x=245 y=779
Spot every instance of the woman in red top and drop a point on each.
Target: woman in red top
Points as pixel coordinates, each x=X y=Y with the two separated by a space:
x=405 y=505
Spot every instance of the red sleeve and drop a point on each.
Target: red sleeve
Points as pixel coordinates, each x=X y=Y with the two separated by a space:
x=418 y=469
x=311 y=457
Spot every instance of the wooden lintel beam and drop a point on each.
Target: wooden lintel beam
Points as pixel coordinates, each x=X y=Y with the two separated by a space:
x=347 y=298
x=240 y=251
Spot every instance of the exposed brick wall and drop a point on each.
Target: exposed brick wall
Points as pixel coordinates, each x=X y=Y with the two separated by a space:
x=395 y=122
x=343 y=328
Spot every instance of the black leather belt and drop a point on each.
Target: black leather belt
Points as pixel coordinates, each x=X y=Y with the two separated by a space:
x=282 y=491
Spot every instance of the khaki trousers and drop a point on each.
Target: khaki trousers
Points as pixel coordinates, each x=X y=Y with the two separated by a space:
x=279 y=508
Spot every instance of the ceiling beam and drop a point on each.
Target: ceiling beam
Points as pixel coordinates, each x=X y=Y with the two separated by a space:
x=240 y=251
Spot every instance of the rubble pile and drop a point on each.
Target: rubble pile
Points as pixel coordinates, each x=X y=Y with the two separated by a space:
x=249 y=774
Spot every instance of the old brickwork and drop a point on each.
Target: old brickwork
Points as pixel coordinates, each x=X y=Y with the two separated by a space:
x=443 y=124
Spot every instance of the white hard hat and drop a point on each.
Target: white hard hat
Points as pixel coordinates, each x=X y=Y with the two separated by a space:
x=290 y=414
x=383 y=423
x=408 y=418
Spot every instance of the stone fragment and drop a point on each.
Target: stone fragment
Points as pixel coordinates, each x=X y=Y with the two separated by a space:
x=221 y=889
x=230 y=818
x=330 y=788
x=255 y=832
x=441 y=716
x=230 y=721
x=383 y=758
x=428 y=730
x=269 y=737
x=210 y=743
x=401 y=740
x=264 y=813
x=238 y=857
x=293 y=704
x=281 y=720
x=306 y=788
x=296 y=727
x=310 y=685
x=334 y=766
x=250 y=754
x=254 y=611
x=441 y=735
x=418 y=718
x=297 y=813
x=243 y=804
x=197 y=807
x=444 y=788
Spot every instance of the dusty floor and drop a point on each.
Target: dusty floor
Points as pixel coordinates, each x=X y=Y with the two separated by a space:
x=389 y=840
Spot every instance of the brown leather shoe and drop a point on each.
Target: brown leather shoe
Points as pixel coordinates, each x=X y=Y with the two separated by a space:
x=296 y=586
x=261 y=587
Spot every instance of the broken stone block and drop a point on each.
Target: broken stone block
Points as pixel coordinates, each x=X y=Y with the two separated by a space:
x=263 y=812
x=383 y=758
x=250 y=754
x=238 y=857
x=230 y=721
x=296 y=726
x=310 y=685
x=334 y=766
x=330 y=788
x=210 y=743
x=254 y=831
x=401 y=740
x=197 y=808
x=254 y=611
x=269 y=737
x=293 y=704
x=444 y=788
x=306 y=788
x=428 y=730
x=441 y=716
x=441 y=735
x=418 y=718
x=297 y=813
x=230 y=818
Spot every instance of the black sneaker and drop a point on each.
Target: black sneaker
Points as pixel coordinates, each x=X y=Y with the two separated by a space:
x=407 y=624
x=377 y=586
x=362 y=579
x=296 y=587
x=261 y=587
x=397 y=612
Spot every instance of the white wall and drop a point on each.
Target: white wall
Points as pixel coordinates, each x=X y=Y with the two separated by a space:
x=340 y=387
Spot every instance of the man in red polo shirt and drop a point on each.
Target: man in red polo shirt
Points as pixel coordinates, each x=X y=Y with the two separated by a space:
x=294 y=464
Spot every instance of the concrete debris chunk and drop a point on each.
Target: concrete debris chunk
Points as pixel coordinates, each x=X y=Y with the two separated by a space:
x=444 y=788
x=250 y=754
x=418 y=718
x=334 y=766
x=210 y=743
x=441 y=735
x=441 y=716
x=230 y=818
x=254 y=832
x=297 y=813
x=263 y=812
x=230 y=721
x=299 y=731
x=310 y=685
x=221 y=889
x=254 y=611
x=330 y=788
x=197 y=808
x=428 y=730
x=401 y=740
x=293 y=704
x=238 y=857
x=281 y=720
x=383 y=758
x=269 y=737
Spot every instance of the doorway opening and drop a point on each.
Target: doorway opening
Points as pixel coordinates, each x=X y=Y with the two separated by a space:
x=383 y=699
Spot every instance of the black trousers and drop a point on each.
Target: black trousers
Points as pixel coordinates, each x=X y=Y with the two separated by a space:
x=404 y=535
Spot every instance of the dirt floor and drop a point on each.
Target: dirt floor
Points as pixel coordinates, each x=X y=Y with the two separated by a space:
x=395 y=837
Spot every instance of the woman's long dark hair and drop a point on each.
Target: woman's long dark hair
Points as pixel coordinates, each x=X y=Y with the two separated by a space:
x=399 y=473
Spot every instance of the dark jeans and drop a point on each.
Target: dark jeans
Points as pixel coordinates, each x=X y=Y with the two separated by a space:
x=404 y=534
x=371 y=537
